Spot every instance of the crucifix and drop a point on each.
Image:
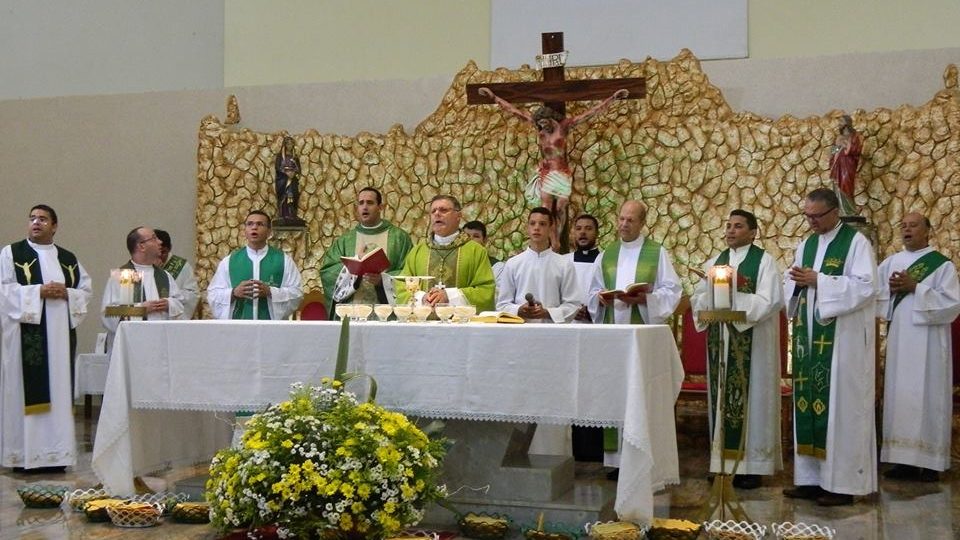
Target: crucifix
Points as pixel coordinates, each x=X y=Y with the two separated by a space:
x=551 y=186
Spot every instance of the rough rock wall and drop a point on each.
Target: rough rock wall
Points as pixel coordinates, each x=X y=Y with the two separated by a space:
x=681 y=149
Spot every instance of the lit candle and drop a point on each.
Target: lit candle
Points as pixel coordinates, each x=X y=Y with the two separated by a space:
x=126 y=279
x=721 y=287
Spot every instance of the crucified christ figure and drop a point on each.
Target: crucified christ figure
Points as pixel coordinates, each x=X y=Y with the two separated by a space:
x=553 y=182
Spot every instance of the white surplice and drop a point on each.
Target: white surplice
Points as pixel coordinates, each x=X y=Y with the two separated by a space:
x=918 y=385
x=548 y=276
x=762 y=451
x=189 y=290
x=662 y=300
x=112 y=295
x=585 y=271
x=850 y=466
x=283 y=301
x=45 y=439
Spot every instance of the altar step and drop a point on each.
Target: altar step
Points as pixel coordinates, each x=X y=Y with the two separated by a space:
x=587 y=501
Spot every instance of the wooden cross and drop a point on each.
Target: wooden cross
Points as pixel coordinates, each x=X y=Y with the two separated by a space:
x=554 y=90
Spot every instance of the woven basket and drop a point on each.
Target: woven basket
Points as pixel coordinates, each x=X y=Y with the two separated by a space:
x=802 y=531
x=78 y=498
x=166 y=499
x=484 y=526
x=41 y=495
x=552 y=532
x=666 y=529
x=135 y=514
x=96 y=510
x=191 y=512
x=614 y=530
x=734 y=530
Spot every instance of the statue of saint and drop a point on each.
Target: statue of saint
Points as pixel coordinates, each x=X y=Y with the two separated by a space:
x=552 y=184
x=844 y=162
x=287 y=184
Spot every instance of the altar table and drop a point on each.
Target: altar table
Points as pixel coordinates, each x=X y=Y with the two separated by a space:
x=173 y=384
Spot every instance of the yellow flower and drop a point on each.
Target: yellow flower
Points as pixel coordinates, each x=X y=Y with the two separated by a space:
x=288 y=444
x=346 y=522
x=347 y=490
x=363 y=490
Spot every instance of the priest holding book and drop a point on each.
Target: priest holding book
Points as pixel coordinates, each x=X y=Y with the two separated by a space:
x=353 y=269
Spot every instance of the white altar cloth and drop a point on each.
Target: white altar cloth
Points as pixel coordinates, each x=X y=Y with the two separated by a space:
x=167 y=378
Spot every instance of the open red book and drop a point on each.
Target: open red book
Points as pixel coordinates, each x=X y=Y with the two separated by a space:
x=373 y=262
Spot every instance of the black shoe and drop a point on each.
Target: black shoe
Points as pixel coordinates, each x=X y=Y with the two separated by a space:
x=804 y=492
x=613 y=475
x=834 y=499
x=929 y=475
x=746 y=481
x=902 y=472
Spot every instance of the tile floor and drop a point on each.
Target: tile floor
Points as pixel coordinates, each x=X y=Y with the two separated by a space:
x=901 y=510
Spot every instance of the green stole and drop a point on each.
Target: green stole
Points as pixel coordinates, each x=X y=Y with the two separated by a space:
x=33 y=337
x=647 y=264
x=444 y=262
x=160 y=279
x=812 y=364
x=739 y=351
x=920 y=270
x=271 y=273
x=175 y=265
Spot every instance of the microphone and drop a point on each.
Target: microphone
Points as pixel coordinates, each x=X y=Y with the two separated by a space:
x=530 y=299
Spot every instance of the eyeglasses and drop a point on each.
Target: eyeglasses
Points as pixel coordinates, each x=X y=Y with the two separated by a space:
x=39 y=219
x=151 y=239
x=820 y=215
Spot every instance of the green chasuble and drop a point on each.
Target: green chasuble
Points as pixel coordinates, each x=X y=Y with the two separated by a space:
x=398 y=245
x=271 y=273
x=739 y=348
x=175 y=265
x=33 y=337
x=920 y=270
x=812 y=362
x=647 y=264
x=462 y=264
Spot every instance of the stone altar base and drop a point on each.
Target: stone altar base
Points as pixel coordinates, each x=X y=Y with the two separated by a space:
x=488 y=469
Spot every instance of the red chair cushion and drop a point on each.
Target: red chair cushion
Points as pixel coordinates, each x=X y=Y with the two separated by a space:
x=314 y=311
x=693 y=351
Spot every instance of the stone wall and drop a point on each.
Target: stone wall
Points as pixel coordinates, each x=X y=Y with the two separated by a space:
x=681 y=149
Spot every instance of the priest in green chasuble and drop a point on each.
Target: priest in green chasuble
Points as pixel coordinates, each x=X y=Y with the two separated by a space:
x=371 y=232
x=460 y=267
x=831 y=290
x=257 y=281
x=920 y=297
x=45 y=294
x=751 y=353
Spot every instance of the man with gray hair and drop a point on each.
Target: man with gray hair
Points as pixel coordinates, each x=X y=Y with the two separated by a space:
x=832 y=288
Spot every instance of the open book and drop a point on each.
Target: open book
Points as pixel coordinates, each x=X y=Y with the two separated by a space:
x=497 y=317
x=630 y=290
x=372 y=262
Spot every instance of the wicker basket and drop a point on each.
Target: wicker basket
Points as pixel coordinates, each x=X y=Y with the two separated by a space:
x=41 y=495
x=484 y=526
x=135 y=514
x=802 y=531
x=552 y=531
x=191 y=512
x=614 y=530
x=96 y=510
x=673 y=529
x=734 y=530
x=78 y=498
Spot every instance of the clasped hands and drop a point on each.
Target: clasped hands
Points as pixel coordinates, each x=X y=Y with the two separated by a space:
x=902 y=282
x=251 y=288
x=534 y=311
x=435 y=296
x=53 y=291
x=803 y=277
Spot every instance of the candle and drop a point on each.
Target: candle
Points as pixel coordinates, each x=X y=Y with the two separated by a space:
x=721 y=287
x=126 y=279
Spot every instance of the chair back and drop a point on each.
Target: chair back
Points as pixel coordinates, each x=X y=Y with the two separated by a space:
x=693 y=344
x=312 y=307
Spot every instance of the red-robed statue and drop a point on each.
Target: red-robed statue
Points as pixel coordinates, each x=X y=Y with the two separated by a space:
x=845 y=158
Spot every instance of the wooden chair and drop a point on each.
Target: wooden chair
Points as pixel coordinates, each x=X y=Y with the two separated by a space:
x=312 y=307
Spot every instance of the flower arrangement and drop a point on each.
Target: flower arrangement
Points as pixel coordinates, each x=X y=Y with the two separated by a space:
x=324 y=465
